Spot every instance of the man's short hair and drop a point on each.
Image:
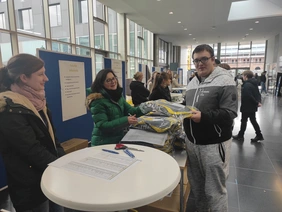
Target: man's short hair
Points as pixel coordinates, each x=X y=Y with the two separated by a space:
x=203 y=47
x=217 y=61
x=248 y=74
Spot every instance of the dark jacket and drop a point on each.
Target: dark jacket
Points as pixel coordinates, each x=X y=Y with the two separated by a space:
x=263 y=78
x=139 y=93
x=250 y=96
x=27 y=147
x=110 y=118
x=216 y=98
x=160 y=93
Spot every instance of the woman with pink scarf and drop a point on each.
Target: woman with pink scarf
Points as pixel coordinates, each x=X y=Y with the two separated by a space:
x=27 y=139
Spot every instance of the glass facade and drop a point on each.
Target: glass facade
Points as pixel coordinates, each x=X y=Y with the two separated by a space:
x=66 y=29
x=140 y=48
x=239 y=56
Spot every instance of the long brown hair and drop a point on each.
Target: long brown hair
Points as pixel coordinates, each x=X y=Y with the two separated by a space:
x=17 y=65
x=159 y=78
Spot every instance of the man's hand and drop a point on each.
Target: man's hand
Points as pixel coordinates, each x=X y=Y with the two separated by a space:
x=196 y=117
x=259 y=104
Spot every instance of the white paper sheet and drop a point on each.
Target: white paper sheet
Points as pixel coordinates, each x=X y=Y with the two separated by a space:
x=72 y=81
x=117 y=68
x=134 y=135
x=102 y=165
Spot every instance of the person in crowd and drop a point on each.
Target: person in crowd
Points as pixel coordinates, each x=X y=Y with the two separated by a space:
x=250 y=101
x=110 y=111
x=256 y=76
x=160 y=87
x=192 y=76
x=151 y=81
x=216 y=62
x=213 y=92
x=174 y=82
x=139 y=93
x=262 y=83
x=225 y=66
x=27 y=138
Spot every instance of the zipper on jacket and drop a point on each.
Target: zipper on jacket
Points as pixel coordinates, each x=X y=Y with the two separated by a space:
x=193 y=103
x=217 y=129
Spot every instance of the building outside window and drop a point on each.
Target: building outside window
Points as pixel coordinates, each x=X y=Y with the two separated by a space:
x=2 y=21
x=131 y=38
x=55 y=15
x=98 y=10
x=112 y=24
x=82 y=11
x=26 y=19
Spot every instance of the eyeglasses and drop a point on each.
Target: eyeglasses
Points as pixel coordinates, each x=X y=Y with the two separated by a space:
x=203 y=60
x=111 y=80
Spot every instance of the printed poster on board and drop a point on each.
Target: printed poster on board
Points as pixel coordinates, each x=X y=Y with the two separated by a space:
x=73 y=93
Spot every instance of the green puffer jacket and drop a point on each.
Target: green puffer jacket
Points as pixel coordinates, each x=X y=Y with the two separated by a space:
x=110 y=118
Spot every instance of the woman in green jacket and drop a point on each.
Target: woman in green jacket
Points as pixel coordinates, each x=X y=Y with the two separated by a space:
x=110 y=112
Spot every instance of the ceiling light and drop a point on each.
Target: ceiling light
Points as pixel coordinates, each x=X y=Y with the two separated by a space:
x=213 y=27
x=190 y=34
x=257 y=22
x=179 y=22
x=194 y=38
x=170 y=13
x=251 y=29
x=243 y=38
x=185 y=28
x=247 y=34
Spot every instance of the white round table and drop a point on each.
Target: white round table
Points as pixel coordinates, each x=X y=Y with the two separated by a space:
x=143 y=183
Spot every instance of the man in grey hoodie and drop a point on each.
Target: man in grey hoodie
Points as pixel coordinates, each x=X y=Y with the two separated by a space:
x=209 y=130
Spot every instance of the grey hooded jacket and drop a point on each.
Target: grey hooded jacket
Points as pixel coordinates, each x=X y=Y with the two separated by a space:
x=216 y=97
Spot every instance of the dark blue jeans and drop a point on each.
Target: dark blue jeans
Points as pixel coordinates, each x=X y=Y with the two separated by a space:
x=244 y=120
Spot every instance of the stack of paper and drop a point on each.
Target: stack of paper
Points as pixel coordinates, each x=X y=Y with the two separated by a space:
x=141 y=136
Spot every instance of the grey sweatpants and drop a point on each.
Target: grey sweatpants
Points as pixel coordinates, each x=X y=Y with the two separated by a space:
x=207 y=174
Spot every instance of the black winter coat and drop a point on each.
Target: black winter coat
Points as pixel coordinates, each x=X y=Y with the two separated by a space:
x=27 y=148
x=139 y=93
x=250 y=96
x=160 y=93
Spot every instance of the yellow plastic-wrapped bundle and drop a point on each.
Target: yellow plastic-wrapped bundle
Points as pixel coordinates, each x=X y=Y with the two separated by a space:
x=157 y=124
x=171 y=109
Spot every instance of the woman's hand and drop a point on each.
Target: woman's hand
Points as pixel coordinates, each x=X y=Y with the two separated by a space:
x=132 y=119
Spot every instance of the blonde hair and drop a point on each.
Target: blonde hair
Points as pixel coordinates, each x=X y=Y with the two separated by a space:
x=137 y=75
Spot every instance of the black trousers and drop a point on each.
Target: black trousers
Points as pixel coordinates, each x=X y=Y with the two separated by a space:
x=244 y=120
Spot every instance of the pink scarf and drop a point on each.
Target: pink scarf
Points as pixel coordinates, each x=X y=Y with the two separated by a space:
x=37 y=98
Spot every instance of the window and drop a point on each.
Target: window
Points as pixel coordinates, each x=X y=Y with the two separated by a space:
x=3 y=0
x=98 y=10
x=25 y=19
x=83 y=12
x=112 y=23
x=55 y=15
x=2 y=21
x=131 y=38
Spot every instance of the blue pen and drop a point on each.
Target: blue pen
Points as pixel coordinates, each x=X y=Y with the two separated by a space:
x=126 y=151
x=110 y=151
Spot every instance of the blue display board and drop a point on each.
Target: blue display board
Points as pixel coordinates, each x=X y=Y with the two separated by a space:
x=79 y=127
x=180 y=75
x=108 y=63
x=143 y=68
x=159 y=69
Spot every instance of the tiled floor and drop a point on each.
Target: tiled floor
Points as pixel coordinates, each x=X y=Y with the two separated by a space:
x=255 y=180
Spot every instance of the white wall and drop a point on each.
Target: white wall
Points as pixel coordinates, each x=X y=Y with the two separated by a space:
x=274 y=51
